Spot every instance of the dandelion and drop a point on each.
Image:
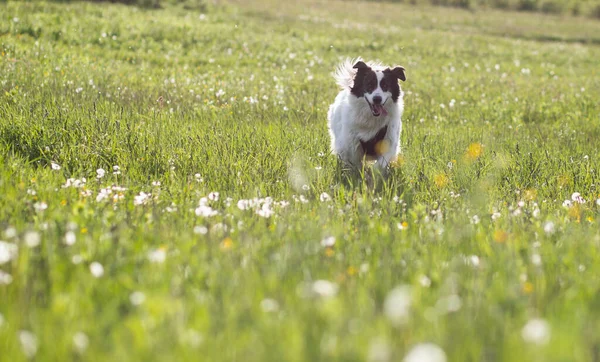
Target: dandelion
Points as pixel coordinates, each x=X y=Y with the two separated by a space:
x=8 y=252
x=70 y=238
x=55 y=166
x=265 y=211
x=5 y=279
x=226 y=244
x=269 y=305
x=425 y=352
x=81 y=342
x=96 y=269
x=325 y=197
x=100 y=173
x=576 y=197
x=141 y=199
x=205 y=211
x=473 y=260
x=536 y=331
x=157 y=256
x=328 y=242
x=137 y=298
x=29 y=343
x=324 y=288
x=379 y=351
x=40 y=206
x=397 y=304
x=441 y=180
x=474 y=151
x=202 y=230
x=32 y=239
x=10 y=232
x=500 y=236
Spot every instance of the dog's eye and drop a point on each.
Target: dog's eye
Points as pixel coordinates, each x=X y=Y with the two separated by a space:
x=370 y=83
x=384 y=85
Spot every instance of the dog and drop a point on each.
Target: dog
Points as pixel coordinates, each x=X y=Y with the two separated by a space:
x=365 y=118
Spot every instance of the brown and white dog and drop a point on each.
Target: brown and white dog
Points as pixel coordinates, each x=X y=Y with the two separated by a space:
x=365 y=118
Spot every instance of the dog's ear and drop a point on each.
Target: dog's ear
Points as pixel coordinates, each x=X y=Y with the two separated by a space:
x=360 y=65
x=399 y=73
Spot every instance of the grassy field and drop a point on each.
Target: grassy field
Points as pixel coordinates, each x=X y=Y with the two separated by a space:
x=167 y=192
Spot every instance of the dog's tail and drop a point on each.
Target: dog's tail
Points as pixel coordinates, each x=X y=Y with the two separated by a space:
x=344 y=73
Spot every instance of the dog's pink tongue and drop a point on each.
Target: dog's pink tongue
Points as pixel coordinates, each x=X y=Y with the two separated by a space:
x=380 y=109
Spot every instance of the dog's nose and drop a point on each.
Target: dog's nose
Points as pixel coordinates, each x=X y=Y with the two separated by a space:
x=377 y=100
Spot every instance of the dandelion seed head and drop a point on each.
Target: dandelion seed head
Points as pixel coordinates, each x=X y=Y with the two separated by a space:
x=425 y=352
x=32 y=239
x=29 y=343
x=536 y=331
x=80 y=342
x=96 y=269
x=137 y=298
x=397 y=304
x=8 y=252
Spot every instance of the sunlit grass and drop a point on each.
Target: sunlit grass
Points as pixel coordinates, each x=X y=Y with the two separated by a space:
x=168 y=192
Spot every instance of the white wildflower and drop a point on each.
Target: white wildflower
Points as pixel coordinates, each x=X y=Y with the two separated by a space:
x=199 y=229
x=142 y=198
x=325 y=197
x=158 y=255
x=70 y=238
x=137 y=298
x=29 y=343
x=32 y=239
x=81 y=342
x=8 y=252
x=40 y=206
x=100 y=173
x=397 y=304
x=549 y=228
x=96 y=269
x=324 y=288
x=55 y=166
x=213 y=196
x=576 y=197
x=5 y=279
x=425 y=352
x=536 y=331
x=205 y=211
x=269 y=305
x=328 y=241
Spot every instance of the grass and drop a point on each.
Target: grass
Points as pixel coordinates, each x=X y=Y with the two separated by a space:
x=471 y=229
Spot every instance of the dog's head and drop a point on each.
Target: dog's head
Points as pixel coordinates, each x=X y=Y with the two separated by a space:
x=377 y=86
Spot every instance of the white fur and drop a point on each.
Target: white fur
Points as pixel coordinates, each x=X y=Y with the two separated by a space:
x=351 y=120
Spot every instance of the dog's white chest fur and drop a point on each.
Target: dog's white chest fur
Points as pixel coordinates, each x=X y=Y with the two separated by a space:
x=365 y=118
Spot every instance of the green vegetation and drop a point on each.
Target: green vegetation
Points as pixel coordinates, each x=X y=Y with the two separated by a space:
x=476 y=243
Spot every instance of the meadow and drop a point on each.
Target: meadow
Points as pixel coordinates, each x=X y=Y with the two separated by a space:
x=167 y=191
